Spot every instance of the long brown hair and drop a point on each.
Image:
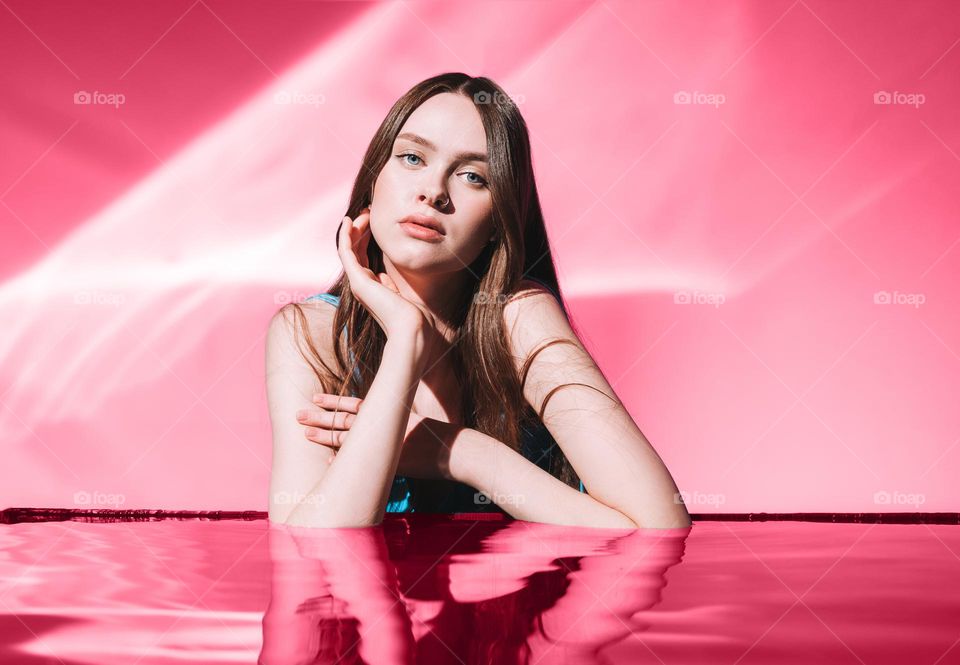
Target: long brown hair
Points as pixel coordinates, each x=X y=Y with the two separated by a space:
x=492 y=387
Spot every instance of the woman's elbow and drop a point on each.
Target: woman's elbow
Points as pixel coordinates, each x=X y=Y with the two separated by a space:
x=674 y=519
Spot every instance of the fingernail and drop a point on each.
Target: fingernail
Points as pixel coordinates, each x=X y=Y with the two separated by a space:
x=301 y=415
x=317 y=397
x=310 y=431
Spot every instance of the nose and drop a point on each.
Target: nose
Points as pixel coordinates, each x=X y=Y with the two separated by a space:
x=435 y=195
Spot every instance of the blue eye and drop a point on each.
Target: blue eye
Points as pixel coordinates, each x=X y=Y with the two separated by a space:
x=481 y=181
x=408 y=154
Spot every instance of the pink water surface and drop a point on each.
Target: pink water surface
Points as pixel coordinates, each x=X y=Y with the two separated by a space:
x=429 y=589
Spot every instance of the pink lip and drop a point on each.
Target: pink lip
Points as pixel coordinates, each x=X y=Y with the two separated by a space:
x=424 y=221
x=420 y=232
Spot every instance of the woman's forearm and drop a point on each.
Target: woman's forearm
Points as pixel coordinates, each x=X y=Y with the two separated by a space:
x=524 y=490
x=354 y=489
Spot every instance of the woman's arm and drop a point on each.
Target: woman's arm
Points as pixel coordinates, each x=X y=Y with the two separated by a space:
x=614 y=460
x=354 y=489
x=438 y=449
x=290 y=382
x=523 y=489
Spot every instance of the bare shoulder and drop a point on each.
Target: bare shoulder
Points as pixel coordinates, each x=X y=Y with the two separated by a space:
x=547 y=350
x=533 y=316
x=293 y=324
x=533 y=313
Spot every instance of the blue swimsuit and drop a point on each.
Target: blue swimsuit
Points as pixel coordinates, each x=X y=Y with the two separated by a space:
x=450 y=496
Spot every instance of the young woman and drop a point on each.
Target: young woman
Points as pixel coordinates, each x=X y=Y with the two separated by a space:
x=441 y=372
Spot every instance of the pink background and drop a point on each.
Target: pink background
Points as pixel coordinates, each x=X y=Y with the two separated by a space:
x=722 y=257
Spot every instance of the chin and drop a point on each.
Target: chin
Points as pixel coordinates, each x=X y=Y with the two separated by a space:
x=414 y=259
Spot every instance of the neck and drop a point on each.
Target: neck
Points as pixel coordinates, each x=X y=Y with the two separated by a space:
x=439 y=294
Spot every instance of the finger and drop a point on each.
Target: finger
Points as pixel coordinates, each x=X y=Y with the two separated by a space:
x=362 y=225
x=324 y=437
x=326 y=419
x=363 y=219
x=345 y=246
x=337 y=402
x=352 y=249
x=388 y=282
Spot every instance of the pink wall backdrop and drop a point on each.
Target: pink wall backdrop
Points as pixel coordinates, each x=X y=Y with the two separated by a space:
x=753 y=206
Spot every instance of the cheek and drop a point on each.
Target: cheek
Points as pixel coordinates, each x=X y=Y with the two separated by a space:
x=481 y=229
x=377 y=232
x=390 y=179
x=483 y=213
x=380 y=191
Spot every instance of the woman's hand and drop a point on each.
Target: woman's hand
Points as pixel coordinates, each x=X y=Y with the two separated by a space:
x=330 y=422
x=426 y=445
x=377 y=293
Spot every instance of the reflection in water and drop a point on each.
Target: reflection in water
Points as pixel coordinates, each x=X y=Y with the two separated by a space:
x=468 y=592
x=422 y=588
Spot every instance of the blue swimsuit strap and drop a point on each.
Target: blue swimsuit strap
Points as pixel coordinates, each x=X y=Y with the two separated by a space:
x=326 y=297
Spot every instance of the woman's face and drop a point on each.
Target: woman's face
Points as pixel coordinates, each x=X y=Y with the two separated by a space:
x=438 y=169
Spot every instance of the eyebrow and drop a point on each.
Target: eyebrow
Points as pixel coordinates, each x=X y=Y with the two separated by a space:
x=463 y=156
